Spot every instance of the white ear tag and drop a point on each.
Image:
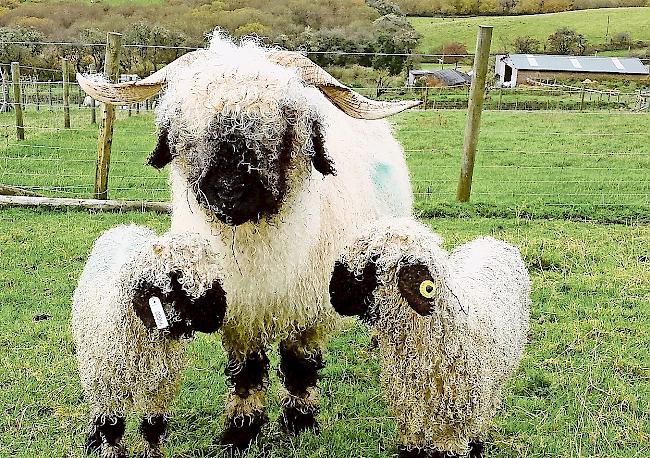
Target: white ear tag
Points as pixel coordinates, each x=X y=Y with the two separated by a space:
x=158 y=313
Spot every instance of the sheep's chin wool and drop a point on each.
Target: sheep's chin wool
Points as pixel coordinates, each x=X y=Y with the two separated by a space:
x=442 y=374
x=276 y=269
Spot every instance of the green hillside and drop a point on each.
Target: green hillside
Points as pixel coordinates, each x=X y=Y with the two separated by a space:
x=591 y=23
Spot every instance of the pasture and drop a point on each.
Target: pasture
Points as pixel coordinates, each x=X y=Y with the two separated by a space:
x=438 y=31
x=570 y=189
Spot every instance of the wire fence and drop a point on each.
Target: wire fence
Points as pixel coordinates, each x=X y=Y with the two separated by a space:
x=541 y=145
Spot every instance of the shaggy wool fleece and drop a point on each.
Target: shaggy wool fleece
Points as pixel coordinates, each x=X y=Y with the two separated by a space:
x=442 y=374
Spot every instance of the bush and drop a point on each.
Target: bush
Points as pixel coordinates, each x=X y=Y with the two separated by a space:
x=453 y=52
x=622 y=39
x=526 y=45
x=566 y=41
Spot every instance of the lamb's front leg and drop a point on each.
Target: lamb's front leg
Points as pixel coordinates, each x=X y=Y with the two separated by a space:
x=153 y=429
x=245 y=408
x=105 y=435
x=300 y=360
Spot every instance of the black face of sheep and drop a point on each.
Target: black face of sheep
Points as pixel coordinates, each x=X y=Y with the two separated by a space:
x=352 y=295
x=242 y=181
x=183 y=314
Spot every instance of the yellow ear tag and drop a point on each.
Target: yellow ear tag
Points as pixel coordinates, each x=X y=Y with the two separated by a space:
x=427 y=289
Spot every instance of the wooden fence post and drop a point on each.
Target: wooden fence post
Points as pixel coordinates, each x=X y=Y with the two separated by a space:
x=18 y=107
x=582 y=98
x=66 y=93
x=476 y=97
x=105 y=140
x=93 y=115
x=37 y=99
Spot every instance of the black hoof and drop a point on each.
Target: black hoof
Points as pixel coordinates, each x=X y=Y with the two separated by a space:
x=107 y=429
x=416 y=452
x=93 y=442
x=241 y=432
x=476 y=449
x=153 y=429
x=294 y=421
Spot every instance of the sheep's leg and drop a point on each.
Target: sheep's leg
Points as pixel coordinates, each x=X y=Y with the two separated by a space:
x=153 y=429
x=422 y=452
x=476 y=449
x=245 y=409
x=105 y=435
x=300 y=360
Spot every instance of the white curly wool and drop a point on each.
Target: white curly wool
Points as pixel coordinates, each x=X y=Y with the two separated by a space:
x=442 y=374
x=276 y=271
x=123 y=366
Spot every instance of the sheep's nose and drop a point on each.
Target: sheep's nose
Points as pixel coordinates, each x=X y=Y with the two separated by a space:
x=236 y=199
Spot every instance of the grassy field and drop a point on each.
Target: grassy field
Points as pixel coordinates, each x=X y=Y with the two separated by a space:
x=527 y=161
x=591 y=23
x=583 y=389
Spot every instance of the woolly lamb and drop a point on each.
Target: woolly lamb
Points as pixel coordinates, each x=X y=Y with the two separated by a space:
x=281 y=163
x=139 y=298
x=451 y=329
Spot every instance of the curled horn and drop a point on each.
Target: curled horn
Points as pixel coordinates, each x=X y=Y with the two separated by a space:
x=134 y=91
x=349 y=101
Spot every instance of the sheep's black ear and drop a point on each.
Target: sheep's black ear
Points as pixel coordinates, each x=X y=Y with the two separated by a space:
x=161 y=154
x=417 y=287
x=208 y=311
x=349 y=294
x=321 y=160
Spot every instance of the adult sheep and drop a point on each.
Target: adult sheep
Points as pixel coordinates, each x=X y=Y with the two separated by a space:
x=280 y=163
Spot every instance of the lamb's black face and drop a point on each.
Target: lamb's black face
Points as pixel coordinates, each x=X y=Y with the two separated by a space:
x=241 y=184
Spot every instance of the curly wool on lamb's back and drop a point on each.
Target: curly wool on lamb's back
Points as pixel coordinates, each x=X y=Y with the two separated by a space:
x=442 y=374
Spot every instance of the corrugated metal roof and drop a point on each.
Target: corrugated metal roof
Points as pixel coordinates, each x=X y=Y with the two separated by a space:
x=449 y=77
x=588 y=64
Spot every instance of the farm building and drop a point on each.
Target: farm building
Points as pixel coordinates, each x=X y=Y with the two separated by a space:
x=515 y=69
x=446 y=77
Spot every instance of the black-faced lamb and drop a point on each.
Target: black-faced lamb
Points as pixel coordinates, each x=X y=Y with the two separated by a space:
x=280 y=163
x=451 y=329
x=139 y=299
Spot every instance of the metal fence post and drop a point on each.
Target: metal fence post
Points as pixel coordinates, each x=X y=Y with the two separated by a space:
x=475 y=106
x=66 y=93
x=105 y=140
x=18 y=107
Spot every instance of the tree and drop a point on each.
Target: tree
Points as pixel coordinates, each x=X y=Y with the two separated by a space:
x=395 y=35
x=526 y=45
x=453 y=52
x=385 y=7
x=566 y=41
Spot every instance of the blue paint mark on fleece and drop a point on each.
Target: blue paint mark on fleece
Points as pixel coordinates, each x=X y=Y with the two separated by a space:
x=381 y=176
x=388 y=189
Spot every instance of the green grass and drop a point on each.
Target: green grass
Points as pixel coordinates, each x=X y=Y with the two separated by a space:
x=591 y=23
x=583 y=388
